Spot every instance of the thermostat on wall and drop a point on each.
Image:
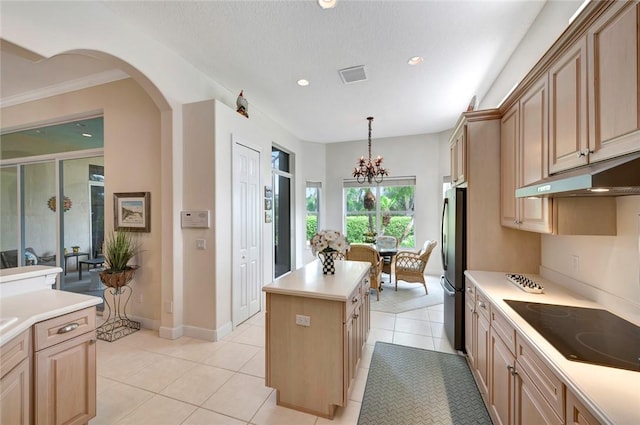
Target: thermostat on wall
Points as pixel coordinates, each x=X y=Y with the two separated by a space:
x=195 y=219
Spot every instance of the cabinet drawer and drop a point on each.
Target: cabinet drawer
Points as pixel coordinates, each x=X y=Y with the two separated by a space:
x=541 y=375
x=63 y=328
x=354 y=300
x=506 y=332
x=483 y=306
x=470 y=293
x=15 y=351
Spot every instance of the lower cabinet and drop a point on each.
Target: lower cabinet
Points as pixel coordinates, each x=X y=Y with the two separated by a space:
x=49 y=372
x=65 y=369
x=15 y=384
x=577 y=414
x=517 y=385
x=313 y=367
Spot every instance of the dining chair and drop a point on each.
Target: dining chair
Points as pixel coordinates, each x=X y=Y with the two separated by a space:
x=390 y=243
x=409 y=266
x=369 y=254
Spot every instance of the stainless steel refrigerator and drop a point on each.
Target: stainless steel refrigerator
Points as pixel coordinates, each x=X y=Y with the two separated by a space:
x=453 y=250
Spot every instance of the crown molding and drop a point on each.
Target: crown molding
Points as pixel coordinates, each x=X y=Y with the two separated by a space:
x=65 y=87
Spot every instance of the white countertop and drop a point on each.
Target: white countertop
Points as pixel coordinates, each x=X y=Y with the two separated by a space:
x=308 y=281
x=17 y=273
x=612 y=394
x=32 y=307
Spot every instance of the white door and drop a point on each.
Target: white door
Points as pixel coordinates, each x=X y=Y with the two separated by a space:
x=246 y=233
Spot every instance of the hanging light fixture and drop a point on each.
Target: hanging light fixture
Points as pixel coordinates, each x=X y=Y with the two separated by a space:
x=370 y=170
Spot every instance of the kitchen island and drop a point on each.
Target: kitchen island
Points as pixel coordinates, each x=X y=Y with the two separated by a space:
x=316 y=328
x=47 y=349
x=506 y=351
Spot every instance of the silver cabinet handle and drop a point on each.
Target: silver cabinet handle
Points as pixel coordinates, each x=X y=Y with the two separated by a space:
x=482 y=304
x=68 y=328
x=354 y=300
x=512 y=370
x=469 y=290
x=355 y=316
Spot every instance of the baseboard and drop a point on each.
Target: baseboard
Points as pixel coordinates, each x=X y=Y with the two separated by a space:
x=617 y=305
x=170 y=333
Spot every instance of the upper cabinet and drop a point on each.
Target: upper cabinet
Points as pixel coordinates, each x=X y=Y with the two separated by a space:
x=614 y=81
x=568 y=137
x=593 y=80
x=458 y=156
x=523 y=142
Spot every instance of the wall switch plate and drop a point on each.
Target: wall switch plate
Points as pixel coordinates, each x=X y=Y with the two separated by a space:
x=201 y=243
x=303 y=320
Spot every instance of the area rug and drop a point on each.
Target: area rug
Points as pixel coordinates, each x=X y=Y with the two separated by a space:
x=408 y=386
x=410 y=296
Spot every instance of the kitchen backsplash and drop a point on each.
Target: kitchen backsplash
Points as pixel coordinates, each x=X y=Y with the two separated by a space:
x=607 y=266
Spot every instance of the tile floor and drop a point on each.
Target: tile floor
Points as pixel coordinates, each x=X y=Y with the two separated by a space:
x=144 y=379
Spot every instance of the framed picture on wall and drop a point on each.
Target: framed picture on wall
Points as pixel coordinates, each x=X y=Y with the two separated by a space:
x=132 y=211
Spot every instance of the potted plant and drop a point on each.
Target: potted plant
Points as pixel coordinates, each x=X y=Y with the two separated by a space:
x=75 y=249
x=119 y=248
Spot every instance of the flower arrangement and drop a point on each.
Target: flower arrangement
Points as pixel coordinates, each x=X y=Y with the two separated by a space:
x=328 y=241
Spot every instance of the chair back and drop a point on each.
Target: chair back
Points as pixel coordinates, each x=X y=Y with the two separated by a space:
x=386 y=242
x=363 y=253
x=427 y=249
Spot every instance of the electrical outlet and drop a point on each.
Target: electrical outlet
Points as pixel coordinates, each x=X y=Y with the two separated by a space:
x=575 y=263
x=201 y=243
x=303 y=320
x=169 y=307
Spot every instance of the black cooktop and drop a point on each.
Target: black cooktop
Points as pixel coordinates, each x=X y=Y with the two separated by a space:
x=586 y=335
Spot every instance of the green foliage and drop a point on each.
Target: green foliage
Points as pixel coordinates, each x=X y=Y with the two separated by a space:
x=312 y=226
x=119 y=248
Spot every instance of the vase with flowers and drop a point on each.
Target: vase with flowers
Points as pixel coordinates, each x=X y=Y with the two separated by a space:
x=329 y=245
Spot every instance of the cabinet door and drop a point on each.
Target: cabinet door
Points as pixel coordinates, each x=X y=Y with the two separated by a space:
x=614 y=81
x=509 y=138
x=65 y=382
x=501 y=388
x=534 y=213
x=568 y=141
x=531 y=407
x=577 y=414
x=470 y=326
x=15 y=400
x=482 y=353
x=458 y=157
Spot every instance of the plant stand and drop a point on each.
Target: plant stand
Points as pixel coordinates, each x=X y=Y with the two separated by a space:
x=117 y=325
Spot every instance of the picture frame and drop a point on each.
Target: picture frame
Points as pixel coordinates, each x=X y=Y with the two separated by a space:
x=132 y=211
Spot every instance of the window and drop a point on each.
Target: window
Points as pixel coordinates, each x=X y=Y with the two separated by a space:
x=387 y=209
x=282 y=225
x=313 y=208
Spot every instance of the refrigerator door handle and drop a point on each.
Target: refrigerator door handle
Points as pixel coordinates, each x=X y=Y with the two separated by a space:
x=445 y=287
x=443 y=245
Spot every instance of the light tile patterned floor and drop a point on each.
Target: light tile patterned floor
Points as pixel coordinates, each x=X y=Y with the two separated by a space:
x=144 y=379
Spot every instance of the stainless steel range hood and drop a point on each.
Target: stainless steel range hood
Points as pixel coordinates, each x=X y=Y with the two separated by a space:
x=615 y=177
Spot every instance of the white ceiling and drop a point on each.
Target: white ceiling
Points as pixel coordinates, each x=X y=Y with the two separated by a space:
x=264 y=47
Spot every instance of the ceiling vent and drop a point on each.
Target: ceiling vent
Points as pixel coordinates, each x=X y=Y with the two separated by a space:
x=353 y=74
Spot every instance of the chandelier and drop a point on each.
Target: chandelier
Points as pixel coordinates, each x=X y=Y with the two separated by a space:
x=368 y=170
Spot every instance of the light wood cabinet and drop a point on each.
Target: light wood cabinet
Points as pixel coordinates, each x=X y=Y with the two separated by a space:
x=577 y=414
x=15 y=381
x=568 y=120
x=313 y=366
x=470 y=324
x=458 y=151
x=523 y=141
x=501 y=386
x=483 y=340
x=614 y=81
x=65 y=369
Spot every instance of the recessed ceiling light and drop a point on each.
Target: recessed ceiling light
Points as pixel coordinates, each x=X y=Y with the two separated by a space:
x=599 y=189
x=87 y=135
x=327 y=4
x=303 y=83
x=416 y=60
